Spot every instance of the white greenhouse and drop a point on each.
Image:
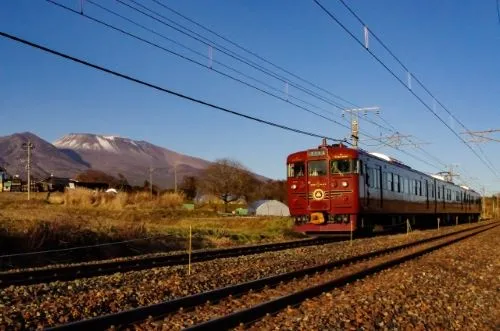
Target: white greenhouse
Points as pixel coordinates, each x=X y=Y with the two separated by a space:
x=268 y=208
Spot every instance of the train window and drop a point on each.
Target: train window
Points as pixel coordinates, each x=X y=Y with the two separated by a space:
x=390 y=187
x=373 y=178
x=296 y=169
x=342 y=166
x=406 y=188
x=432 y=190
x=419 y=184
x=448 y=194
x=317 y=168
x=396 y=183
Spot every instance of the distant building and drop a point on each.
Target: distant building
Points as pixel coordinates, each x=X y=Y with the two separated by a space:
x=16 y=184
x=53 y=184
x=3 y=179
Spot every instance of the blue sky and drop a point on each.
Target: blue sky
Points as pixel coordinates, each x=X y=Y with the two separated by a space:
x=452 y=46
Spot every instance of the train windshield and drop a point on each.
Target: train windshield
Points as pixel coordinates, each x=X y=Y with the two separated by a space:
x=296 y=169
x=343 y=166
x=317 y=168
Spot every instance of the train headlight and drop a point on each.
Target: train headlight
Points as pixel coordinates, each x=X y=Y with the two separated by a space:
x=293 y=187
x=344 y=183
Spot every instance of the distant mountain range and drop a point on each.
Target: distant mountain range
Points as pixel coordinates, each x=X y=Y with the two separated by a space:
x=78 y=152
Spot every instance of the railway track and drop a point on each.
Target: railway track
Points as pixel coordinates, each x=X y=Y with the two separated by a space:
x=247 y=302
x=64 y=273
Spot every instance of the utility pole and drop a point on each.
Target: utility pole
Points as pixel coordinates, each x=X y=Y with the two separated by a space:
x=355 y=121
x=175 y=177
x=28 y=147
x=448 y=175
x=151 y=169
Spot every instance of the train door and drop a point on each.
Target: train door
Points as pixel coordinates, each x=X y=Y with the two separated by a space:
x=381 y=184
x=435 y=188
x=427 y=192
x=365 y=184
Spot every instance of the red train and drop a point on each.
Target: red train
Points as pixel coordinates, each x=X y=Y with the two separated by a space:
x=337 y=189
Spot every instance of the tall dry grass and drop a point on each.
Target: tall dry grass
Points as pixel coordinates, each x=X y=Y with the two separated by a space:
x=85 y=198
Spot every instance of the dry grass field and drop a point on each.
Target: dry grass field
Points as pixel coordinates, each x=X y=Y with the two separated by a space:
x=82 y=217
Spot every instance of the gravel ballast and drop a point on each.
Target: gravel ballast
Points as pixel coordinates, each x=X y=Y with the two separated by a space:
x=55 y=303
x=454 y=288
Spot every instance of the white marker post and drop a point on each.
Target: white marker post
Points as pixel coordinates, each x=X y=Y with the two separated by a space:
x=190 y=242
x=438 y=223
x=351 y=233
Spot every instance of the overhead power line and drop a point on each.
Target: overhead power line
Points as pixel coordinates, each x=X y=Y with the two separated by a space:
x=254 y=53
x=244 y=60
x=199 y=63
x=363 y=45
x=216 y=46
x=411 y=75
x=134 y=36
x=177 y=94
x=339 y=106
x=159 y=88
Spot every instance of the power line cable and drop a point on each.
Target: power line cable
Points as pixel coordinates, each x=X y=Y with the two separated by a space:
x=192 y=60
x=198 y=63
x=253 y=53
x=180 y=95
x=336 y=105
x=417 y=80
x=210 y=43
x=300 y=130
x=162 y=89
x=131 y=21
x=402 y=83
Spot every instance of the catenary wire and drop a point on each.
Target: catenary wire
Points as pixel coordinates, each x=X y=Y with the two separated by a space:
x=254 y=53
x=190 y=60
x=358 y=18
x=162 y=89
x=209 y=42
x=177 y=94
x=402 y=83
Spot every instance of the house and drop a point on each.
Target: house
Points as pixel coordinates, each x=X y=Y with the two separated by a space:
x=16 y=184
x=53 y=184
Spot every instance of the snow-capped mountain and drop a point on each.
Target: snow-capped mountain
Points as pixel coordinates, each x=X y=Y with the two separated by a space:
x=77 y=152
x=131 y=158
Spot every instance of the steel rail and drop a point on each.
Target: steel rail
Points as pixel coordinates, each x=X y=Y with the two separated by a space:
x=252 y=314
x=64 y=273
x=157 y=310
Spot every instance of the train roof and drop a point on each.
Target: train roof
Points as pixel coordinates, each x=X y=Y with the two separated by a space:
x=397 y=162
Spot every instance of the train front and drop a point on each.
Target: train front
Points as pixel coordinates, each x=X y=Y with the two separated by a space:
x=323 y=189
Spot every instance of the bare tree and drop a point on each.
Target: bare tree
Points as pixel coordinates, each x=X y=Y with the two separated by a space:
x=227 y=179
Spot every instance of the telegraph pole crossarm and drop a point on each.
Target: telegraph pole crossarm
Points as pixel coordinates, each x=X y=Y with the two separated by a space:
x=355 y=121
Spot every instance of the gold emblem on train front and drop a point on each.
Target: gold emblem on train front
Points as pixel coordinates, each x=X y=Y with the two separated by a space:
x=318 y=194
